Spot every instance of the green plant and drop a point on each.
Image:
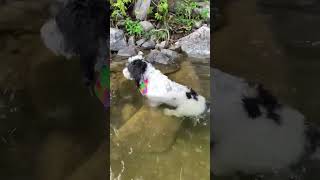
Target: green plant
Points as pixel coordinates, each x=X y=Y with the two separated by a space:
x=204 y=14
x=133 y=28
x=158 y=34
x=162 y=11
x=119 y=8
x=185 y=9
x=185 y=17
x=150 y=10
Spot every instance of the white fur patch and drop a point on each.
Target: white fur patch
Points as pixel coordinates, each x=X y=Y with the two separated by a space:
x=139 y=56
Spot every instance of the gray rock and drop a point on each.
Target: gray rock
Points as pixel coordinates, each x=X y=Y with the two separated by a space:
x=157 y=56
x=127 y=52
x=117 y=39
x=171 y=54
x=146 y=25
x=196 y=44
x=141 y=8
x=161 y=45
x=141 y=41
x=150 y=44
x=131 y=41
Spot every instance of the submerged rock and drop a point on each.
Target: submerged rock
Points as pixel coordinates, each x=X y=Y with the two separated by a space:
x=196 y=44
x=157 y=56
x=128 y=111
x=117 y=66
x=117 y=39
x=94 y=167
x=149 y=130
x=171 y=54
x=165 y=56
x=167 y=68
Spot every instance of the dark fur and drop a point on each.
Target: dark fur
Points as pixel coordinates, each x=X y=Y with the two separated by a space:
x=252 y=107
x=192 y=94
x=137 y=68
x=264 y=99
x=84 y=26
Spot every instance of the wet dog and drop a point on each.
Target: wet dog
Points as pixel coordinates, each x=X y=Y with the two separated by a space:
x=252 y=132
x=79 y=28
x=159 y=89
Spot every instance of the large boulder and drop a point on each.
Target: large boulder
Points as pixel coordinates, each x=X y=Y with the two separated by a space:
x=196 y=44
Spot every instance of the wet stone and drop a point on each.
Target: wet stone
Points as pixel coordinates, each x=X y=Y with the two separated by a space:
x=149 y=130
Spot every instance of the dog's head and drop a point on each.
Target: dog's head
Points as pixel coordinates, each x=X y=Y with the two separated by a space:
x=135 y=68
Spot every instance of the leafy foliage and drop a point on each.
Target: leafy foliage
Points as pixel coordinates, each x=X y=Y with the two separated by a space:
x=185 y=17
x=204 y=14
x=133 y=27
x=181 y=21
x=162 y=10
x=119 y=8
x=158 y=34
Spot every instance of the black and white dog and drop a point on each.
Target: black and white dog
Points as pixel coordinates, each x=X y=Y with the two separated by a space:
x=254 y=133
x=79 y=27
x=160 y=90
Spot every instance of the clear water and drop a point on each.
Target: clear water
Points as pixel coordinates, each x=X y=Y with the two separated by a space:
x=253 y=45
x=187 y=158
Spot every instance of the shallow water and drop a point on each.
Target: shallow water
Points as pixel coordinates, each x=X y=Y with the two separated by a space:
x=50 y=126
x=261 y=46
x=187 y=158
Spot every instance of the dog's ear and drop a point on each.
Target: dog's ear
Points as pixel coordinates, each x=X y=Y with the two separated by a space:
x=137 y=68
